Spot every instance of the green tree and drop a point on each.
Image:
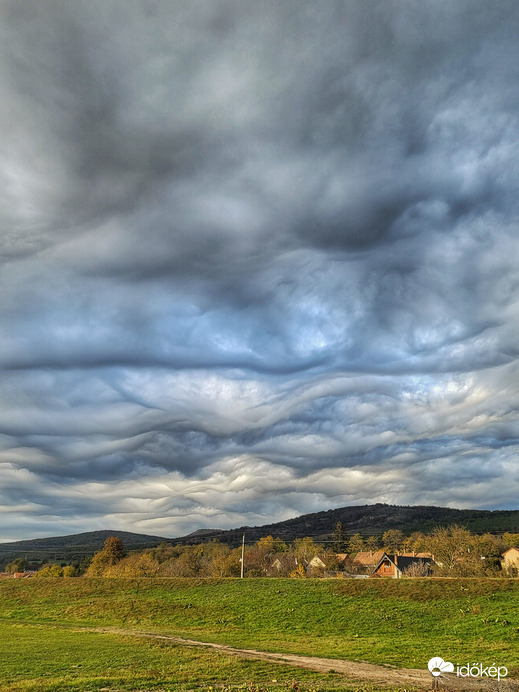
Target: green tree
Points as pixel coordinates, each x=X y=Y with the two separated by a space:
x=83 y=565
x=19 y=564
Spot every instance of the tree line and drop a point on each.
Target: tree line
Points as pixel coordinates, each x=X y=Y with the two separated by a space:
x=456 y=552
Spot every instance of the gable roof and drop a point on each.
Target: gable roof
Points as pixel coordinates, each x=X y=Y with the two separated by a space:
x=368 y=558
x=316 y=562
x=402 y=562
x=509 y=550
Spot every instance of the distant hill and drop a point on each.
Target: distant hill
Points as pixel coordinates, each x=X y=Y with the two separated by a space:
x=365 y=519
x=74 y=547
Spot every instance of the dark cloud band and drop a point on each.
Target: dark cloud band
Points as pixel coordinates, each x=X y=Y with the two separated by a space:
x=256 y=259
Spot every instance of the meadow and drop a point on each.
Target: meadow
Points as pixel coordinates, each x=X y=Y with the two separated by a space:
x=45 y=643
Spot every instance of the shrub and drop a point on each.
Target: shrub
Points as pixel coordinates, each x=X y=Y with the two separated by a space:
x=50 y=570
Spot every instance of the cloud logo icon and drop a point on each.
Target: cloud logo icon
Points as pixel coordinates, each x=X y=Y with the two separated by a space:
x=437 y=666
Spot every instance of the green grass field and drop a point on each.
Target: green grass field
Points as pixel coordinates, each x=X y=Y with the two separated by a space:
x=397 y=622
x=46 y=658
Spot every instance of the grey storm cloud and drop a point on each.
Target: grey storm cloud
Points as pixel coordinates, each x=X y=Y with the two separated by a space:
x=256 y=259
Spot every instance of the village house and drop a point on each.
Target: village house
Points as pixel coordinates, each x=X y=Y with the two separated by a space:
x=315 y=567
x=395 y=566
x=283 y=564
x=510 y=559
x=327 y=565
x=17 y=575
x=367 y=560
x=23 y=575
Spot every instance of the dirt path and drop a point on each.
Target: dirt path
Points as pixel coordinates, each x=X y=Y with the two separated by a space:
x=353 y=671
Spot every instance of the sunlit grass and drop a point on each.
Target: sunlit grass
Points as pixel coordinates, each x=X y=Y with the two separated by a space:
x=397 y=622
x=49 y=658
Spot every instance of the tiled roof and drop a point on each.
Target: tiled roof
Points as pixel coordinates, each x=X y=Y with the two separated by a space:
x=368 y=558
x=509 y=550
x=405 y=561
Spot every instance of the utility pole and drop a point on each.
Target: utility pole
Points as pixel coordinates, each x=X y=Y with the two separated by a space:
x=242 y=556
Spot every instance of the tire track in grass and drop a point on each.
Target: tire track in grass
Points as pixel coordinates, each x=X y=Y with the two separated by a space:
x=354 y=671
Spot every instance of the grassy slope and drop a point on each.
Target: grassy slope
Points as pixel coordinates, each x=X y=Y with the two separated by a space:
x=52 y=659
x=403 y=623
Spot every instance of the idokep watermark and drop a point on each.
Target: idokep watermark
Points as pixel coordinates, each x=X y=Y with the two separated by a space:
x=438 y=666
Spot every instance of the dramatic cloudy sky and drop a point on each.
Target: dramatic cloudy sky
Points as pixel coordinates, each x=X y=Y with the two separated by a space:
x=258 y=259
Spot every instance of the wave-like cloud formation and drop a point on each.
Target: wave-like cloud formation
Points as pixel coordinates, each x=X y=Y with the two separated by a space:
x=257 y=259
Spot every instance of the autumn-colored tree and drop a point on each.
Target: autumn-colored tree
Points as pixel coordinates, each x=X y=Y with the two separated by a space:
x=266 y=544
x=283 y=564
x=165 y=551
x=415 y=543
x=299 y=572
x=113 y=550
x=417 y=569
x=490 y=546
x=455 y=552
x=186 y=564
x=356 y=544
x=135 y=565
x=392 y=540
x=219 y=560
x=224 y=565
x=111 y=554
x=333 y=561
x=511 y=540
x=339 y=544
x=272 y=545
x=262 y=559
x=306 y=548
x=257 y=562
x=372 y=543
x=50 y=570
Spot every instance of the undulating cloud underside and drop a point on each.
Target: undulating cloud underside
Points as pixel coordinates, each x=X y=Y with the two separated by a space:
x=257 y=259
